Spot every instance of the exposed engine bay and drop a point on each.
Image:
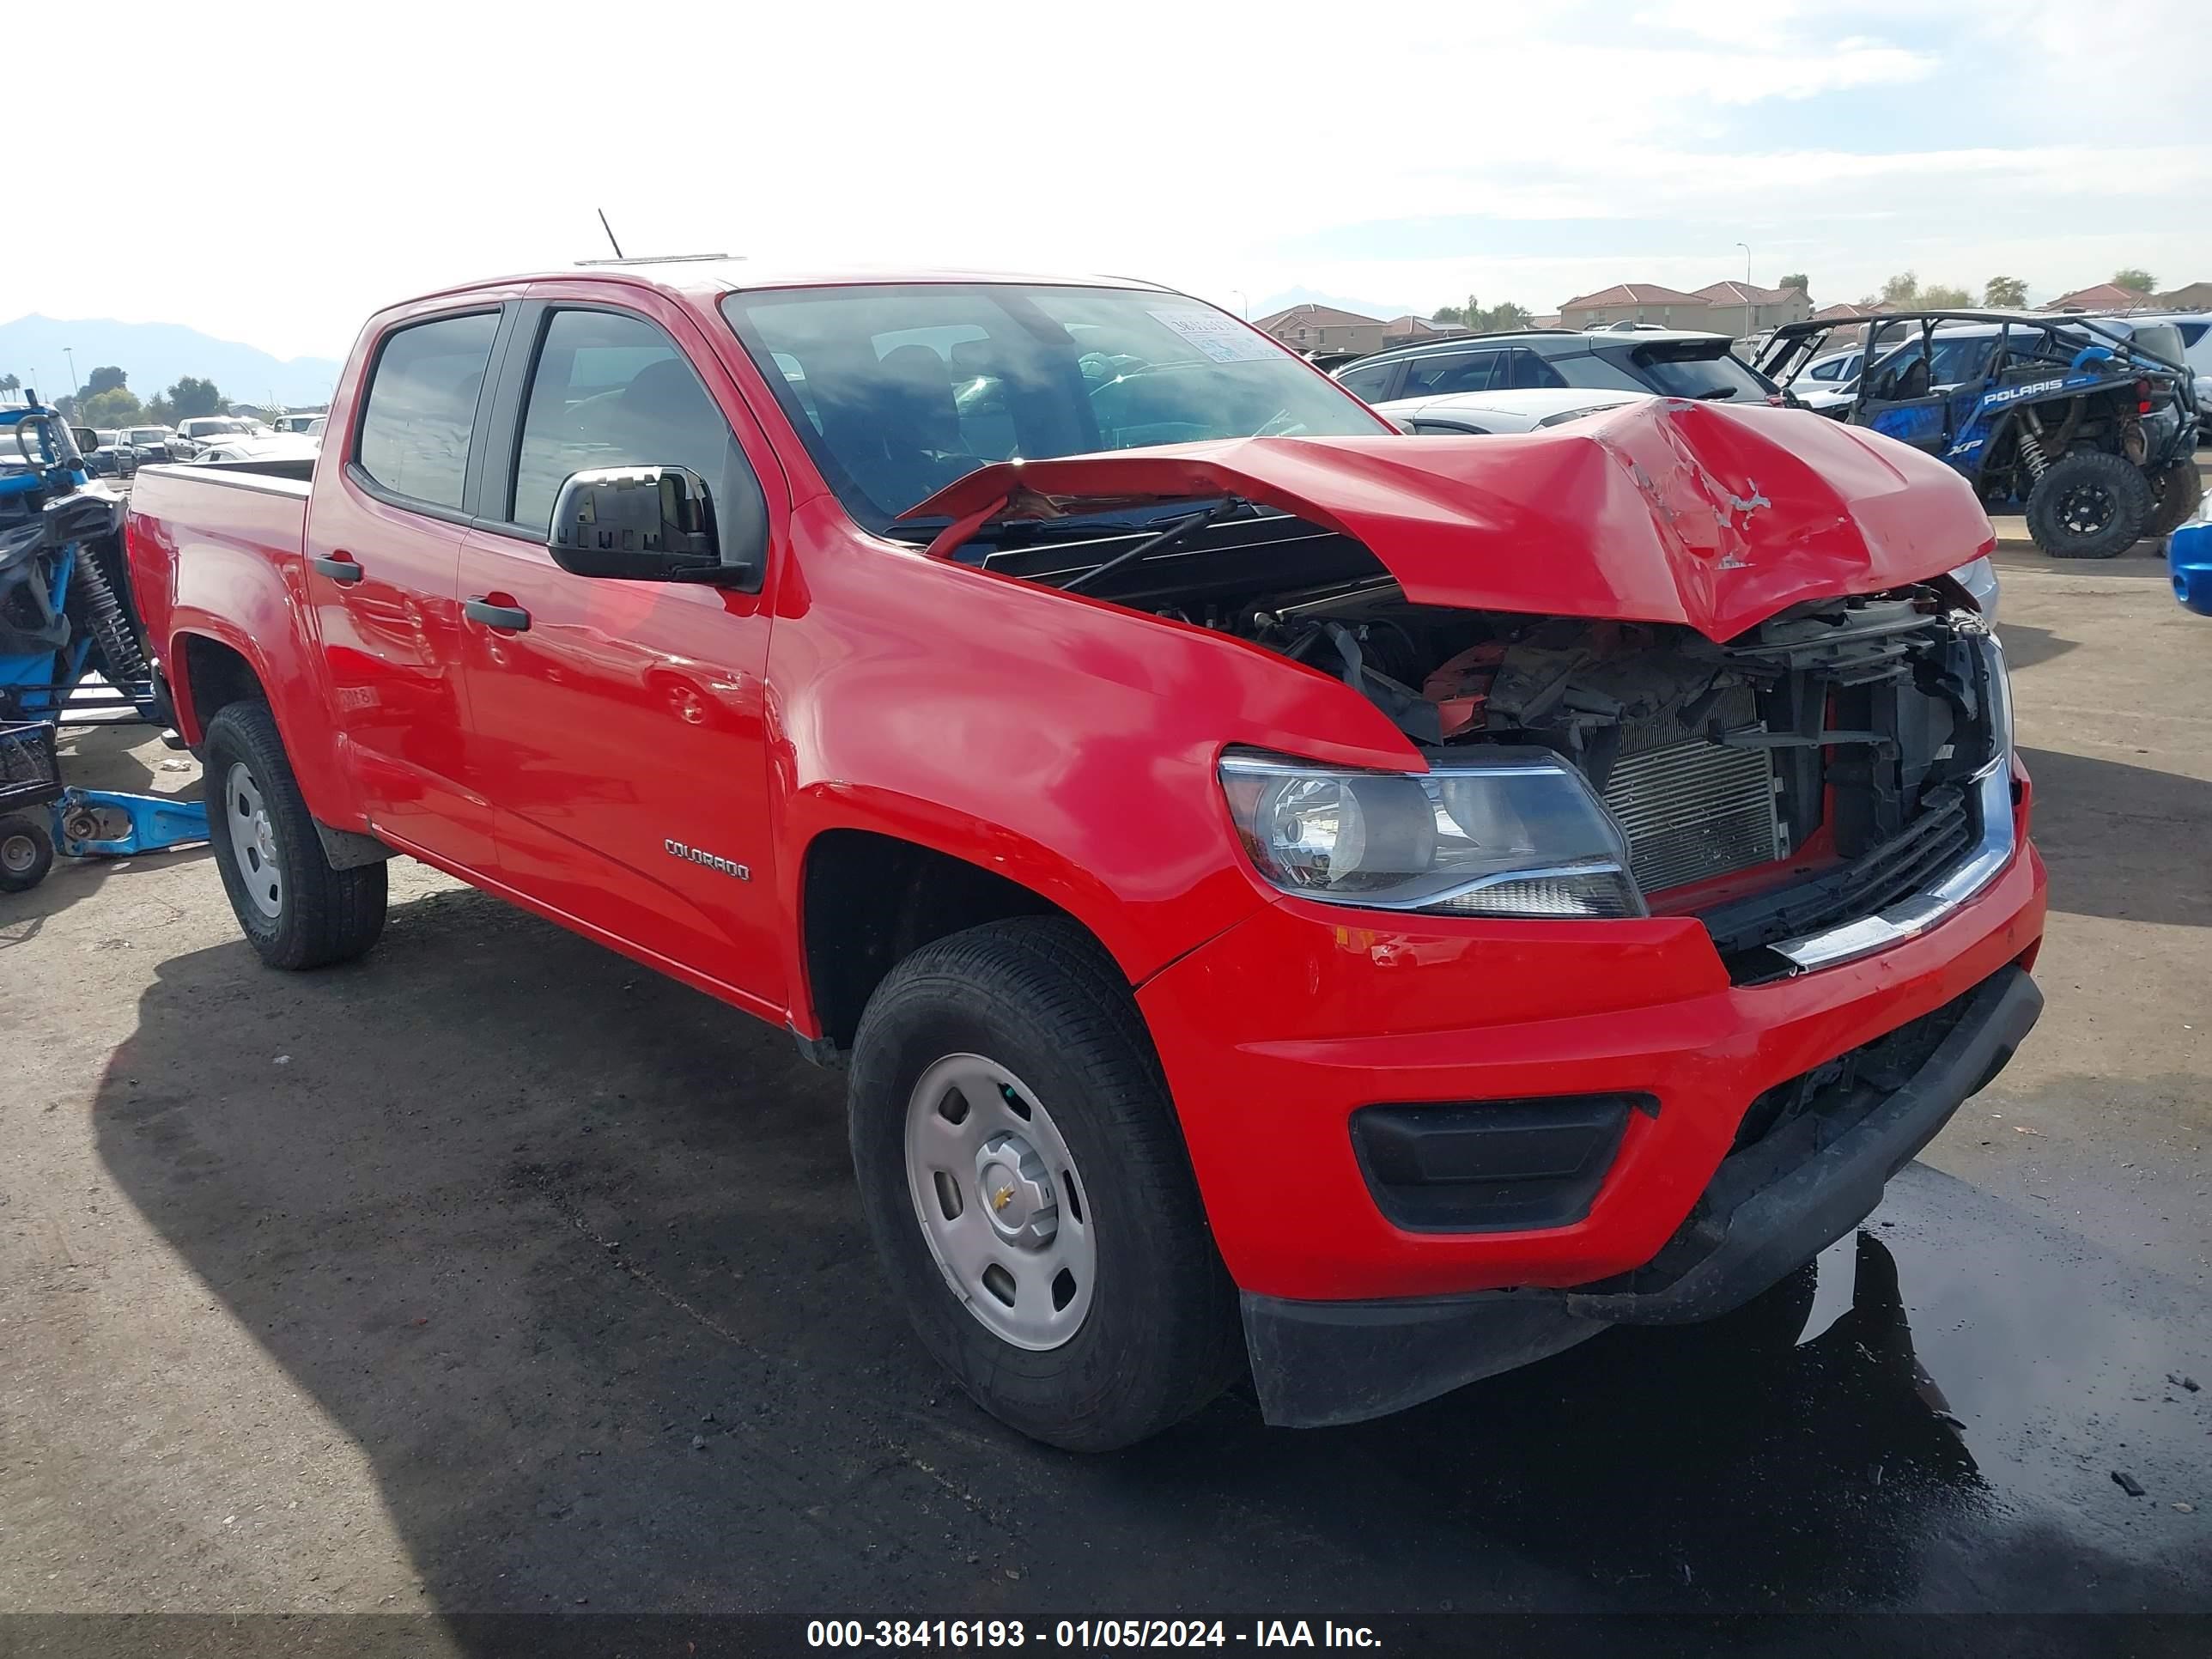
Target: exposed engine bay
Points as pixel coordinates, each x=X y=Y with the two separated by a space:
x=1812 y=769
x=1833 y=734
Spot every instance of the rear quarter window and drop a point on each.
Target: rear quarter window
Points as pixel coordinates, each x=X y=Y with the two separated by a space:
x=1450 y=371
x=420 y=413
x=1700 y=372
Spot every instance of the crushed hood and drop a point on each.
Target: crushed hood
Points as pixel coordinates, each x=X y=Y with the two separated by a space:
x=1664 y=511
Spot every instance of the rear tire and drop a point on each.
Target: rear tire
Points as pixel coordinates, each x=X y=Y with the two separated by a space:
x=295 y=909
x=2178 y=487
x=27 y=852
x=2090 y=505
x=1038 y=1019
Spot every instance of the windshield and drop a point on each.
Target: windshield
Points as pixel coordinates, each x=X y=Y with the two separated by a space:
x=1701 y=370
x=144 y=435
x=898 y=390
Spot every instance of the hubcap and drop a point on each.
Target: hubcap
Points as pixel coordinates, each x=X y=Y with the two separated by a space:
x=996 y=1191
x=18 y=853
x=253 y=841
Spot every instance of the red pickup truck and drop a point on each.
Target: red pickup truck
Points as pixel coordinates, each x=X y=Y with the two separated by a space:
x=1373 y=910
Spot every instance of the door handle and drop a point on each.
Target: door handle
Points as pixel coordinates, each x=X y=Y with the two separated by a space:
x=508 y=618
x=339 y=568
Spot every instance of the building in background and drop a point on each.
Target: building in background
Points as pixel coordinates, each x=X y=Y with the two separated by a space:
x=1736 y=309
x=1634 y=302
x=1416 y=330
x=1324 y=328
x=2100 y=296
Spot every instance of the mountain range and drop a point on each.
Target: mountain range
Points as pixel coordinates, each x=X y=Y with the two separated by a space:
x=155 y=355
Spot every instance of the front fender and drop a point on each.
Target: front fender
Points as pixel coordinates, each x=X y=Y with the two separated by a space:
x=1065 y=743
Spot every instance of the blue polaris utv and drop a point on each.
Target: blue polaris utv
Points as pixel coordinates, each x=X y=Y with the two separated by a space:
x=2089 y=424
x=69 y=651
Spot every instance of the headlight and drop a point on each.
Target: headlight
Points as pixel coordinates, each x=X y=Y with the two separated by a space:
x=1516 y=833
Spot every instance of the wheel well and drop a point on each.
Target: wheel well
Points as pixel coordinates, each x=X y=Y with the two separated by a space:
x=216 y=675
x=869 y=901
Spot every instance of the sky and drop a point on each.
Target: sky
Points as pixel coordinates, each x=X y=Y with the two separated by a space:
x=300 y=166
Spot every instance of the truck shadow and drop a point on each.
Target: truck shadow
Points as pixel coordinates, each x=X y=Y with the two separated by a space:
x=572 y=1254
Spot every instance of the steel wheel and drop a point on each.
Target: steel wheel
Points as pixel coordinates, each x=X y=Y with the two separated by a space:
x=254 y=840
x=996 y=1192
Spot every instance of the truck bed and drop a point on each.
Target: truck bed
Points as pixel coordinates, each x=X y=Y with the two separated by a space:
x=234 y=521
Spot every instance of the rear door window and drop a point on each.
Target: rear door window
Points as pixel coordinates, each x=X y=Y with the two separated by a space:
x=1463 y=371
x=420 y=414
x=1525 y=370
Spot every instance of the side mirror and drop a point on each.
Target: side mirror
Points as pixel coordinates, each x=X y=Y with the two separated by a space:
x=645 y=523
x=86 y=439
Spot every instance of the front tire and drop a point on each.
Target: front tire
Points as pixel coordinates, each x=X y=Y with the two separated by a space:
x=295 y=909
x=2090 y=505
x=1029 y=1191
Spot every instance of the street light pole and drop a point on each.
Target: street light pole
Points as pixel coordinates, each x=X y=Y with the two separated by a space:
x=69 y=352
x=1244 y=304
x=1746 y=246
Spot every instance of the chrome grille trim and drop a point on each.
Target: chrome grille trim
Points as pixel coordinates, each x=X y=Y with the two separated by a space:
x=1992 y=853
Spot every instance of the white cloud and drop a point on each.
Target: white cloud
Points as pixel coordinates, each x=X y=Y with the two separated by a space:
x=333 y=167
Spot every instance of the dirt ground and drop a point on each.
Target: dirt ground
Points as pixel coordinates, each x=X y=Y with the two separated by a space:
x=493 y=1274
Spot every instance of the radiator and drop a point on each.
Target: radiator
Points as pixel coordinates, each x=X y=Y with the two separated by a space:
x=1694 y=810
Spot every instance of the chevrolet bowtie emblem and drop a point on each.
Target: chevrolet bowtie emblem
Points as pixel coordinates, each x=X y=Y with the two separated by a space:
x=1000 y=1199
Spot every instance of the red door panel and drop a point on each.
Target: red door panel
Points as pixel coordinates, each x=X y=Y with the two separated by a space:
x=620 y=737
x=391 y=641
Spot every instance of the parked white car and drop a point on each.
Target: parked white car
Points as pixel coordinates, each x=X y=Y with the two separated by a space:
x=2195 y=328
x=272 y=446
x=1483 y=413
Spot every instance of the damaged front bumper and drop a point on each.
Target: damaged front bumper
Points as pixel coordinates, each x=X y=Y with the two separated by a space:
x=1310 y=1049
x=1772 y=1205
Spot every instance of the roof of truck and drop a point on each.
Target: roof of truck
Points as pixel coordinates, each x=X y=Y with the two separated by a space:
x=714 y=275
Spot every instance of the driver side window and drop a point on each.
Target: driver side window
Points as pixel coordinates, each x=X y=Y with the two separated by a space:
x=612 y=390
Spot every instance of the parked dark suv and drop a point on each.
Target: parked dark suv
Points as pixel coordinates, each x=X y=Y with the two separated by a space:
x=1673 y=363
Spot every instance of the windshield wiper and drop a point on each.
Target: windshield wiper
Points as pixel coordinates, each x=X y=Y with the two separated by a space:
x=1175 y=532
x=1716 y=394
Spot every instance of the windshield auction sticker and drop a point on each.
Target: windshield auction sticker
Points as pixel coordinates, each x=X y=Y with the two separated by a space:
x=1222 y=338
